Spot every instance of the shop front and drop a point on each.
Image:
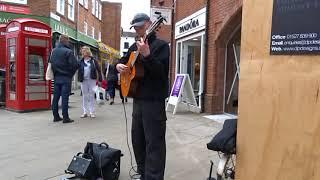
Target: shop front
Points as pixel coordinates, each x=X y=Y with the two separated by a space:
x=190 y=39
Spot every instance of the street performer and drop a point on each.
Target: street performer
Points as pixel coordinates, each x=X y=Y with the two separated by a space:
x=149 y=115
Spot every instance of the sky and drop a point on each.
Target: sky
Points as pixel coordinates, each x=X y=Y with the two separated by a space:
x=130 y=8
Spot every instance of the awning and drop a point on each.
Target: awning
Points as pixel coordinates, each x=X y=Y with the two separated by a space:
x=108 y=53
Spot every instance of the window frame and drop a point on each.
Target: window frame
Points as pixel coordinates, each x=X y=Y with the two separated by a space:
x=93 y=31
x=100 y=12
x=93 y=2
x=85 y=4
x=61 y=11
x=71 y=4
x=85 y=27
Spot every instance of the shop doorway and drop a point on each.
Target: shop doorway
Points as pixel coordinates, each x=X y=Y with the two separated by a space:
x=190 y=54
x=232 y=70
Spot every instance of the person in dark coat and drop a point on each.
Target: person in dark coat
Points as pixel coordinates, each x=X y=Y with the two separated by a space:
x=112 y=81
x=64 y=65
x=148 y=114
x=88 y=73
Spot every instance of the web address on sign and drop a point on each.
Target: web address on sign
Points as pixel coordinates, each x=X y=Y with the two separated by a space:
x=311 y=48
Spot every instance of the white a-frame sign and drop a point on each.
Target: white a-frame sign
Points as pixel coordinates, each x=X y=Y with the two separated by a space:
x=182 y=93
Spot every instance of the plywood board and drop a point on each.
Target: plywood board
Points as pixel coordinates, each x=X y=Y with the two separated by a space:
x=279 y=106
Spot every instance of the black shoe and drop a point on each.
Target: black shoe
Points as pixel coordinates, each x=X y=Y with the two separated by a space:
x=126 y=99
x=111 y=102
x=67 y=120
x=122 y=101
x=57 y=119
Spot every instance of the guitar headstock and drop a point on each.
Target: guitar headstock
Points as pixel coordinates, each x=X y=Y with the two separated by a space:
x=155 y=25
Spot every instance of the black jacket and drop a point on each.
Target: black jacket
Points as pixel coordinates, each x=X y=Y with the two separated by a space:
x=112 y=73
x=94 y=70
x=64 y=63
x=155 y=83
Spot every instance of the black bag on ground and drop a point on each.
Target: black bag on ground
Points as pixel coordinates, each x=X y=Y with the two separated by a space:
x=82 y=166
x=225 y=139
x=106 y=160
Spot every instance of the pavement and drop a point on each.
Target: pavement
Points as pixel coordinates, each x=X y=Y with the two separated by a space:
x=33 y=147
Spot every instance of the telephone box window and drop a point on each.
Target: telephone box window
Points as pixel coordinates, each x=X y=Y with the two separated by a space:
x=12 y=65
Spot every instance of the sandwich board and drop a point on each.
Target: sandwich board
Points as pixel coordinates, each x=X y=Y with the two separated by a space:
x=182 y=94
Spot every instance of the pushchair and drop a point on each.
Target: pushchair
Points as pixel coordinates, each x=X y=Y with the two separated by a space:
x=224 y=142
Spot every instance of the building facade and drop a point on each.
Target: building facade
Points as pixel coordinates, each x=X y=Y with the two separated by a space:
x=81 y=20
x=111 y=15
x=127 y=39
x=205 y=44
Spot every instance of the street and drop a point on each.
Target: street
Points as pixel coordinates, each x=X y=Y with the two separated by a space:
x=35 y=148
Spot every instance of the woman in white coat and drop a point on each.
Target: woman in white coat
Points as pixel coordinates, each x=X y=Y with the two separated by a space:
x=88 y=73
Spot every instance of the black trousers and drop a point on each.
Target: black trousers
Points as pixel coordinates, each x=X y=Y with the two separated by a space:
x=148 y=138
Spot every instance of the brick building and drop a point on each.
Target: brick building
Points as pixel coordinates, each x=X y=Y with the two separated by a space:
x=111 y=15
x=82 y=20
x=205 y=44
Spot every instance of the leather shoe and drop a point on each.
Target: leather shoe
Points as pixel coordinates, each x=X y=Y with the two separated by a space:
x=67 y=120
x=57 y=119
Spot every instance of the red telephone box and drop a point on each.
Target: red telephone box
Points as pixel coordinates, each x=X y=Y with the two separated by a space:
x=28 y=45
x=2 y=45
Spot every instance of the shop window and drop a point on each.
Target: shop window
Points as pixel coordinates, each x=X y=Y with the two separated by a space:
x=188 y=62
x=60 y=6
x=71 y=9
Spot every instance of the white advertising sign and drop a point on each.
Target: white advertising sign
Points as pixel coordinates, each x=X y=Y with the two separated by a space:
x=182 y=93
x=165 y=12
x=15 y=1
x=191 y=24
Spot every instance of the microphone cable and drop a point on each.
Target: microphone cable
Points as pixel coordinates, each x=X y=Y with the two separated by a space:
x=133 y=174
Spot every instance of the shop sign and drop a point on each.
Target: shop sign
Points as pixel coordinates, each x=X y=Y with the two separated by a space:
x=62 y=29
x=54 y=16
x=15 y=1
x=14 y=9
x=194 y=23
x=37 y=30
x=295 y=28
x=6 y=17
x=165 y=12
x=4 y=20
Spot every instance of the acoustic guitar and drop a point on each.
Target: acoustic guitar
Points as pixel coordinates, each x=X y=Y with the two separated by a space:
x=129 y=80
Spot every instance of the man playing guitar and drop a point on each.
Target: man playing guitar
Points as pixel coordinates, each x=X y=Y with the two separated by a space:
x=149 y=115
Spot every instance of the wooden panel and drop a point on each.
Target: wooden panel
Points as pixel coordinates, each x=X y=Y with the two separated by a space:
x=279 y=106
